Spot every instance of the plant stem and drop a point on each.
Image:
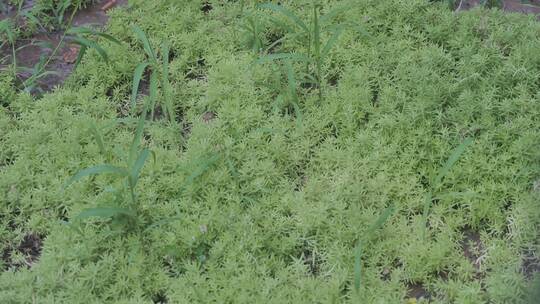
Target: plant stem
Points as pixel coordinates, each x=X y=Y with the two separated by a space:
x=317 y=46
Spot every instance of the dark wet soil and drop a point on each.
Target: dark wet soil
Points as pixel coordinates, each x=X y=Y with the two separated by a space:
x=30 y=248
x=472 y=247
x=532 y=7
x=42 y=44
x=417 y=291
x=531 y=265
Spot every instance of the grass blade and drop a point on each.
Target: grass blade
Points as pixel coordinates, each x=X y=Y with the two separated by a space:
x=90 y=31
x=285 y=12
x=92 y=45
x=136 y=140
x=99 y=169
x=153 y=93
x=98 y=137
x=146 y=43
x=137 y=166
x=166 y=83
x=358 y=266
x=80 y=56
x=330 y=43
x=454 y=157
x=137 y=75
x=381 y=220
x=200 y=171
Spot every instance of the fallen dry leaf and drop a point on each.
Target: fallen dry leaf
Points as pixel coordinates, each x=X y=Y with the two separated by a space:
x=70 y=56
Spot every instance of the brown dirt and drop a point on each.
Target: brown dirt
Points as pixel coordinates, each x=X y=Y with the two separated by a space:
x=62 y=63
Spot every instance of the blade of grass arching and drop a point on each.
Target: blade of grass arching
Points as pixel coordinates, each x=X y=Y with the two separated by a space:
x=90 y=31
x=153 y=93
x=137 y=75
x=166 y=84
x=146 y=43
x=80 y=56
x=381 y=220
x=285 y=12
x=91 y=45
x=137 y=166
x=206 y=164
x=104 y=212
x=98 y=137
x=454 y=157
x=99 y=169
x=330 y=43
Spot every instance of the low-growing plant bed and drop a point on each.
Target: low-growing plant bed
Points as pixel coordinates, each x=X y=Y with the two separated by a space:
x=293 y=152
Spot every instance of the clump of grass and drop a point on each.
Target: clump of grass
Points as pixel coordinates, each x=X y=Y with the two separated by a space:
x=315 y=51
x=129 y=174
x=157 y=68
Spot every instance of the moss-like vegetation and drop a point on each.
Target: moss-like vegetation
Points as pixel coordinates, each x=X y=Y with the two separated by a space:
x=274 y=187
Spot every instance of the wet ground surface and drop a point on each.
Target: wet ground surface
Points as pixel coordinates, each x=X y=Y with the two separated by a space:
x=518 y=6
x=31 y=50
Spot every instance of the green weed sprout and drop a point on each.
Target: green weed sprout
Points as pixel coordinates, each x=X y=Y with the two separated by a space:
x=438 y=181
x=129 y=173
x=358 y=251
x=154 y=65
x=316 y=51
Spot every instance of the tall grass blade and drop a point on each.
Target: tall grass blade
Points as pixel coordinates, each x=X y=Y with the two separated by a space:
x=99 y=169
x=98 y=138
x=137 y=166
x=166 y=83
x=454 y=157
x=92 y=45
x=136 y=140
x=146 y=43
x=206 y=164
x=90 y=31
x=381 y=220
x=330 y=43
x=153 y=93
x=137 y=76
x=82 y=52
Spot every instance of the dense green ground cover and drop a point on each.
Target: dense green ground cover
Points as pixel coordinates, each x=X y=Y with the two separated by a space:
x=273 y=189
